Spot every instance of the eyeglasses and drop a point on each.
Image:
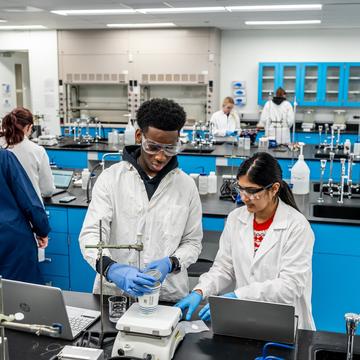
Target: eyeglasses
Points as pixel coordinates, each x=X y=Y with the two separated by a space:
x=251 y=193
x=152 y=147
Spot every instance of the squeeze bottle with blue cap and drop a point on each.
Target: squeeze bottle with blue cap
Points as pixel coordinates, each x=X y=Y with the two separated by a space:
x=300 y=175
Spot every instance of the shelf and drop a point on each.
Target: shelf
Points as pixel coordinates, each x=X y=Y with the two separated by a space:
x=332 y=78
x=268 y=91
x=268 y=77
x=289 y=77
x=310 y=91
x=332 y=92
x=354 y=92
x=75 y=108
x=354 y=78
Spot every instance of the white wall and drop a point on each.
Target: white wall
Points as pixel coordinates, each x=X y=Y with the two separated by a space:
x=241 y=52
x=43 y=68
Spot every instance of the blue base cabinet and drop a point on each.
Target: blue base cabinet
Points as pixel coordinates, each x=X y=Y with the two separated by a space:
x=336 y=262
x=196 y=164
x=68 y=159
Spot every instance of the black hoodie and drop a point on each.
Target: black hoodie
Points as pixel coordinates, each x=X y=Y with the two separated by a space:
x=278 y=100
x=132 y=153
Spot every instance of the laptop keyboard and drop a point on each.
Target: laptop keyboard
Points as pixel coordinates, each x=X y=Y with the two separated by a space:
x=79 y=323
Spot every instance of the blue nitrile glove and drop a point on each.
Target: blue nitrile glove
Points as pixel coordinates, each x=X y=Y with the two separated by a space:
x=204 y=313
x=230 y=133
x=190 y=302
x=130 y=279
x=163 y=265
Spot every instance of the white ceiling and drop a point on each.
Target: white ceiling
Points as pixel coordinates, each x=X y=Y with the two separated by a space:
x=335 y=13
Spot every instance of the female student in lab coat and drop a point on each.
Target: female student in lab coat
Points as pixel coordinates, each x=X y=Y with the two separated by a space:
x=265 y=249
x=16 y=128
x=225 y=122
x=277 y=117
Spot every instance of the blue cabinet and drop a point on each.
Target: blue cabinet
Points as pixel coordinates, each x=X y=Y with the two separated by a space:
x=336 y=258
x=68 y=159
x=352 y=85
x=196 y=164
x=314 y=83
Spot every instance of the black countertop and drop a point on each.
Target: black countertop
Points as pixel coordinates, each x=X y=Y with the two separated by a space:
x=201 y=346
x=223 y=150
x=212 y=206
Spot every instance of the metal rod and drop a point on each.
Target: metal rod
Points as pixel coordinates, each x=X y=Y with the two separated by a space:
x=101 y=279
x=138 y=247
x=322 y=167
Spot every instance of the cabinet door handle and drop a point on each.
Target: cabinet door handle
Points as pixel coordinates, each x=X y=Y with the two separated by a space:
x=49 y=260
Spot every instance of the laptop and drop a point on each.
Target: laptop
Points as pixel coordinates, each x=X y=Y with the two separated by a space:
x=253 y=320
x=44 y=305
x=62 y=180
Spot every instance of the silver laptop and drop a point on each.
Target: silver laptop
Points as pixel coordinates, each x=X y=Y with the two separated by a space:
x=44 y=305
x=62 y=180
x=253 y=320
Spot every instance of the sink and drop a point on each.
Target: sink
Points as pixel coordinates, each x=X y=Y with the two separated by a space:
x=332 y=355
x=76 y=146
x=336 y=212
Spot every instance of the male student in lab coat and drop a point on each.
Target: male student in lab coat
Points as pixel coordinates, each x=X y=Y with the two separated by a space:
x=266 y=247
x=146 y=195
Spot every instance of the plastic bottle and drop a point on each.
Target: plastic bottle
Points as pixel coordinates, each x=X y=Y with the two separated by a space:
x=203 y=184
x=212 y=183
x=300 y=175
x=85 y=175
x=129 y=134
x=347 y=146
x=247 y=143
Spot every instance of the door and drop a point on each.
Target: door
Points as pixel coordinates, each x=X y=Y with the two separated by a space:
x=268 y=81
x=332 y=80
x=290 y=80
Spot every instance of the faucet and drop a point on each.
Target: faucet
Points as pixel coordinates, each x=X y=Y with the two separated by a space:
x=320 y=135
x=330 y=181
x=352 y=321
x=343 y=177
x=332 y=138
x=322 y=168
x=338 y=139
x=349 y=175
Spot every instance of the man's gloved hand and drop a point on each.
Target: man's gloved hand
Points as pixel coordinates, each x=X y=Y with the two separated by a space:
x=230 y=133
x=204 y=313
x=130 y=279
x=190 y=302
x=163 y=265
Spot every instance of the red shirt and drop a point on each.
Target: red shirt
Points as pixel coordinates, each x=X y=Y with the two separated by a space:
x=260 y=231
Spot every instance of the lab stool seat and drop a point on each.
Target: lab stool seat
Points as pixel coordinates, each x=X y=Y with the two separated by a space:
x=200 y=267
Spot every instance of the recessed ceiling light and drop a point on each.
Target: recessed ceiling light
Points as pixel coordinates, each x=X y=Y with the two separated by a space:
x=294 y=7
x=285 y=22
x=173 y=10
x=22 y=27
x=141 y=25
x=94 y=12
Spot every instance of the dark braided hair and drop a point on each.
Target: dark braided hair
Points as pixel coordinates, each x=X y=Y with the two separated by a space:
x=163 y=114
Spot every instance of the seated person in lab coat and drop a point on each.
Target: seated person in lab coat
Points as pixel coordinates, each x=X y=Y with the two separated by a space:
x=146 y=195
x=266 y=247
x=16 y=128
x=225 y=122
x=22 y=216
x=277 y=118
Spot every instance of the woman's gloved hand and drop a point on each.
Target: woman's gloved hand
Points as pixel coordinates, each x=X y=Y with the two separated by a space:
x=204 y=313
x=130 y=279
x=230 y=133
x=191 y=303
x=163 y=265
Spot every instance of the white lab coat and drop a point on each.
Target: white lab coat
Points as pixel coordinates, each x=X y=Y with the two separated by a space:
x=35 y=162
x=281 y=270
x=277 y=120
x=171 y=223
x=221 y=123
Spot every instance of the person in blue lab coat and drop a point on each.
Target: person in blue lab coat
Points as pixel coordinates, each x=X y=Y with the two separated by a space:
x=21 y=216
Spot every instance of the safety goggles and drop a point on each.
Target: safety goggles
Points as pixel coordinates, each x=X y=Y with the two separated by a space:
x=152 y=147
x=251 y=193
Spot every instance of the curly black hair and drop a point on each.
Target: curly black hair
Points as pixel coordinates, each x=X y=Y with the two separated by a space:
x=163 y=114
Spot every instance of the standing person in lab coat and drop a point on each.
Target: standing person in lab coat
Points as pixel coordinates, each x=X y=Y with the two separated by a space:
x=21 y=216
x=277 y=118
x=16 y=128
x=147 y=194
x=265 y=249
x=225 y=122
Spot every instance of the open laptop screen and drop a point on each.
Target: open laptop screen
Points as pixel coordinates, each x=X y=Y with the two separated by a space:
x=62 y=178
